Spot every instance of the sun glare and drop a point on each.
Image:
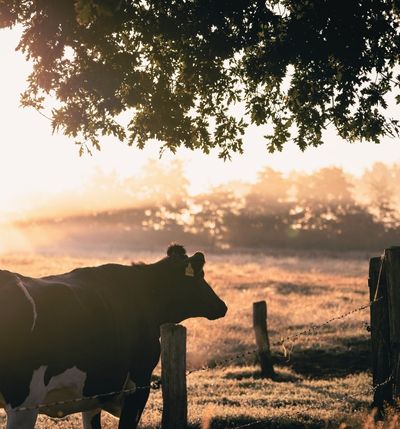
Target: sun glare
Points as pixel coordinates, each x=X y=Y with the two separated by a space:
x=36 y=165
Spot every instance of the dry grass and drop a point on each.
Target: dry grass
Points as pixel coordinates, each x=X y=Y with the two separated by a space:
x=323 y=379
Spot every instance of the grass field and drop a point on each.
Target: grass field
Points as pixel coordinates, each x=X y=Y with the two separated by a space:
x=323 y=380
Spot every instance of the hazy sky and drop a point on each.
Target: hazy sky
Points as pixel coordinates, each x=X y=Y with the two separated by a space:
x=33 y=162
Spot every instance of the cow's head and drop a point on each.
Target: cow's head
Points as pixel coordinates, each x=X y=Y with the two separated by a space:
x=188 y=294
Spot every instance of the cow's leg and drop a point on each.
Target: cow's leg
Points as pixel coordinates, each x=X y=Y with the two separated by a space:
x=92 y=419
x=132 y=409
x=21 y=419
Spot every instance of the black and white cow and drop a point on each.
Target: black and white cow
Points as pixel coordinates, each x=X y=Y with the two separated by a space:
x=92 y=331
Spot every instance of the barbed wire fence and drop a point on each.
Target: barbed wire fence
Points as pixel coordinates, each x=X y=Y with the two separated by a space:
x=156 y=384
x=306 y=332
x=309 y=331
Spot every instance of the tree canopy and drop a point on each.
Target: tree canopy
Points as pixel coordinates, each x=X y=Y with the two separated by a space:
x=179 y=68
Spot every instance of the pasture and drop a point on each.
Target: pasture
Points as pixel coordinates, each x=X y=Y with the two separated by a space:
x=323 y=380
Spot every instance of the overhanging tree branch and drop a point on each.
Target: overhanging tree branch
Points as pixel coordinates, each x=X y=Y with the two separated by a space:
x=176 y=67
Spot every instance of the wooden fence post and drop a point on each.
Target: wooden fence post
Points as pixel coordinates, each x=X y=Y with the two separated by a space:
x=393 y=283
x=173 y=376
x=380 y=338
x=262 y=340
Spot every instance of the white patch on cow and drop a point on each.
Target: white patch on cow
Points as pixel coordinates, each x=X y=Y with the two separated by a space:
x=66 y=386
x=30 y=299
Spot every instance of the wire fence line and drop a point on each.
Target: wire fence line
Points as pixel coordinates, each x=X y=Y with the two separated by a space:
x=383 y=383
x=372 y=389
x=247 y=425
x=309 y=331
x=155 y=385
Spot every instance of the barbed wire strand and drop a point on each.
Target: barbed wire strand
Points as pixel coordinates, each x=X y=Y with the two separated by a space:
x=257 y=422
x=155 y=385
x=281 y=342
x=383 y=383
x=307 y=331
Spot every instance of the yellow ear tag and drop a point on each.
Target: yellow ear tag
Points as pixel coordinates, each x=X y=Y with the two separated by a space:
x=189 y=271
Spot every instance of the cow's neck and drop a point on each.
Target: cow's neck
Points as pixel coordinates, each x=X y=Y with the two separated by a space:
x=149 y=290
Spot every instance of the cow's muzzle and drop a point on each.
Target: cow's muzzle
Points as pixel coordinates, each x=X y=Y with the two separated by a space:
x=218 y=312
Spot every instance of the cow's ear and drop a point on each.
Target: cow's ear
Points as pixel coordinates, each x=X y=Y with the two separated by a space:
x=197 y=262
x=176 y=250
x=198 y=256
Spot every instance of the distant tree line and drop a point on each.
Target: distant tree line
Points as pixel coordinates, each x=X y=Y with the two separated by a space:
x=328 y=209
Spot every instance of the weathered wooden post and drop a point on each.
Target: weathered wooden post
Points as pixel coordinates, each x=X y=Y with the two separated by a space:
x=173 y=376
x=392 y=259
x=262 y=340
x=380 y=339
